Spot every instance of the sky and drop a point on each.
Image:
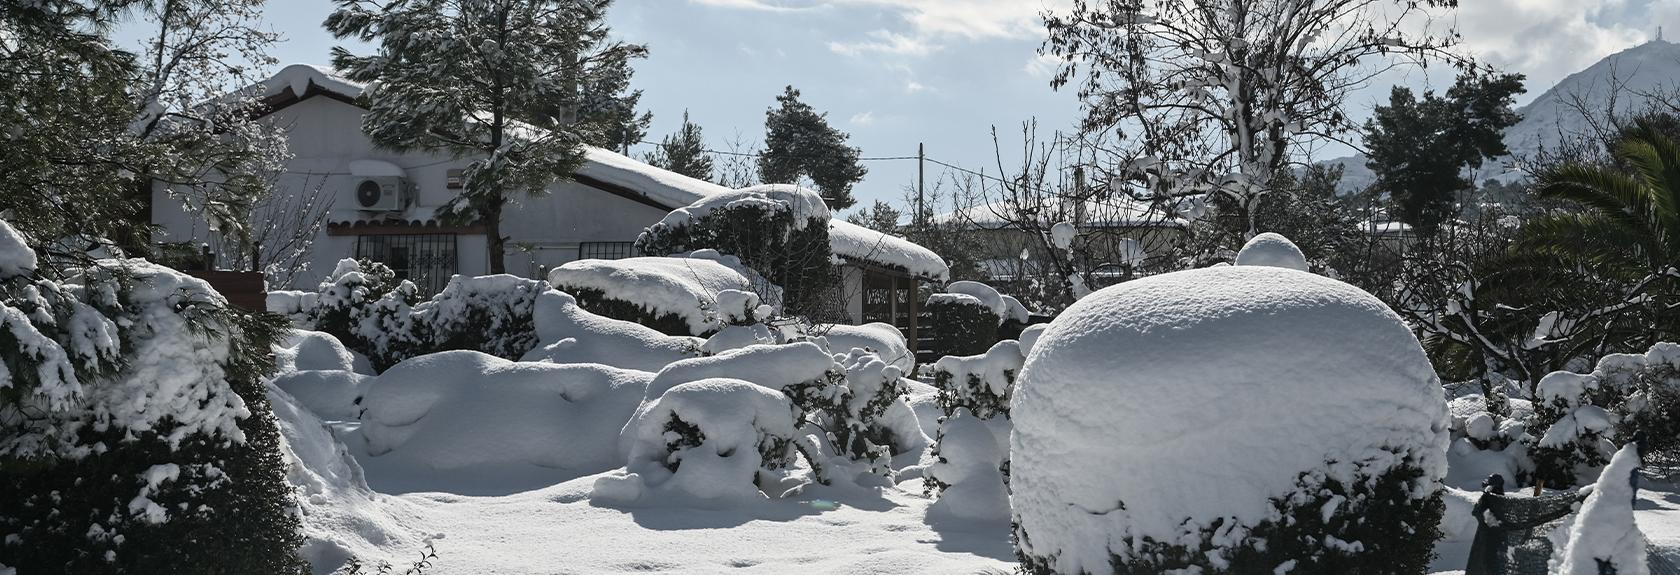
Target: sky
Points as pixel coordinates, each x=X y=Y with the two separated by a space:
x=943 y=73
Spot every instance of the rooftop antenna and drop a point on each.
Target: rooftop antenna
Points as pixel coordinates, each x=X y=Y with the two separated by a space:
x=1659 y=34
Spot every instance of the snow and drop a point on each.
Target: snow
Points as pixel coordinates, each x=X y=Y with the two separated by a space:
x=1272 y=249
x=1005 y=307
x=1209 y=362
x=770 y=366
x=687 y=287
x=329 y=393
x=856 y=242
x=567 y=333
x=16 y=259
x=883 y=338
x=314 y=350
x=466 y=411
x=971 y=451
x=735 y=420
x=803 y=203
x=664 y=187
x=1062 y=235
x=1604 y=530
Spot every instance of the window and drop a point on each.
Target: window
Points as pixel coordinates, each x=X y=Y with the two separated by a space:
x=606 y=250
x=428 y=260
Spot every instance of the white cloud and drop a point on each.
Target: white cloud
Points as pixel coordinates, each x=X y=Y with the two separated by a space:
x=883 y=42
x=1549 y=39
x=1042 y=65
x=862 y=118
x=763 y=5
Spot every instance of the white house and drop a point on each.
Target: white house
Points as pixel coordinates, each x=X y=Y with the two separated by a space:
x=382 y=205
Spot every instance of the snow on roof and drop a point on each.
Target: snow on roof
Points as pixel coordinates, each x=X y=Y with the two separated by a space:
x=298 y=77
x=849 y=240
x=687 y=287
x=1111 y=212
x=667 y=188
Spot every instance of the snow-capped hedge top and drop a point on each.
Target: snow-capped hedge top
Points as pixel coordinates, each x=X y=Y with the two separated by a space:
x=1271 y=249
x=687 y=287
x=804 y=203
x=1278 y=373
x=1005 y=307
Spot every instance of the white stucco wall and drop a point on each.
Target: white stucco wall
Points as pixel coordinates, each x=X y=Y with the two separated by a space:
x=325 y=136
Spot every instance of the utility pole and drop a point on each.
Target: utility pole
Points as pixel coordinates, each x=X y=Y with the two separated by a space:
x=921 y=159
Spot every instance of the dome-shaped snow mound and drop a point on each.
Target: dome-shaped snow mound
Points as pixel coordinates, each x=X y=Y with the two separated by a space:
x=1270 y=249
x=1164 y=407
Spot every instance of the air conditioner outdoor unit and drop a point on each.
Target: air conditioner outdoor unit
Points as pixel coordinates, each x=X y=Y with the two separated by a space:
x=381 y=193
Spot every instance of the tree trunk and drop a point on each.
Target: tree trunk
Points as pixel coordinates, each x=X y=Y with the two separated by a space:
x=493 y=234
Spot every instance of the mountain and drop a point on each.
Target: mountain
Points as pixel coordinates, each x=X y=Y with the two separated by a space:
x=1650 y=67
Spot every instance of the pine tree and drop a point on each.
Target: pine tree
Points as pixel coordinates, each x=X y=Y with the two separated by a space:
x=518 y=85
x=1419 y=148
x=799 y=142
x=880 y=216
x=684 y=152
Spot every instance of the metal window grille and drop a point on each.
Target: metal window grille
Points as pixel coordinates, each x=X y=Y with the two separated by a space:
x=428 y=260
x=606 y=250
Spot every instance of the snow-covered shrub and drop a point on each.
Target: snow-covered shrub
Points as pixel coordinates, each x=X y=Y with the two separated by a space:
x=1574 y=435
x=330 y=393
x=743 y=320
x=677 y=296
x=315 y=350
x=567 y=333
x=845 y=422
x=968 y=472
x=1123 y=462
x=489 y=314
x=1488 y=438
x=961 y=324
x=137 y=436
x=1579 y=418
x=884 y=339
x=779 y=230
x=370 y=311
x=974 y=392
x=465 y=409
x=1272 y=249
x=710 y=439
x=1603 y=533
x=981 y=383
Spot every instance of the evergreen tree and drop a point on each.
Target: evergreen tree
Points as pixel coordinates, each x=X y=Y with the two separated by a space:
x=517 y=85
x=608 y=117
x=799 y=142
x=89 y=127
x=684 y=152
x=1419 y=149
x=881 y=217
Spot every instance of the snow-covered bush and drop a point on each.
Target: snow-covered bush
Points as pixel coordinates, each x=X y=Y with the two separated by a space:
x=1272 y=249
x=884 y=339
x=710 y=439
x=969 y=470
x=1488 y=438
x=961 y=324
x=304 y=350
x=980 y=383
x=1580 y=418
x=370 y=311
x=468 y=410
x=1121 y=461
x=330 y=393
x=743 y=320
x=137 y=435
x=779 y=230
x=677 y=296
x=873 y=387
x=567 y=333
x=1603 y=533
